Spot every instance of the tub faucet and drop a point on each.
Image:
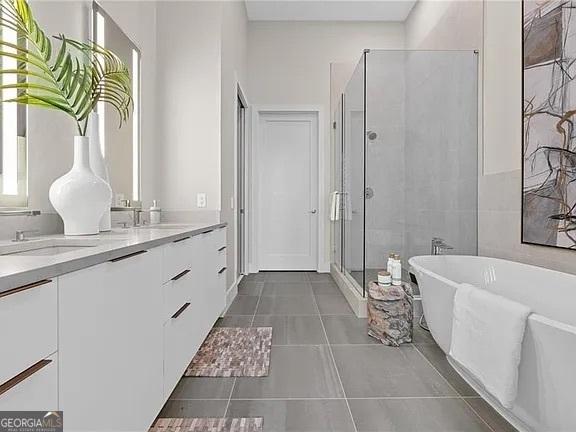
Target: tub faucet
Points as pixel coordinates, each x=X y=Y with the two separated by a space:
x=439 y=246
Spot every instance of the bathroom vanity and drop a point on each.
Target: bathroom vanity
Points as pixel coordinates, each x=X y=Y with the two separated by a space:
x=104 y=331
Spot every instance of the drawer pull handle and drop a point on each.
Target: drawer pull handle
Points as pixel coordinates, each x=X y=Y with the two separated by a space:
x=25 y=287
x=208 y=232
x=13 y=382
x=179 y=275
x=222 y=270
x=222 y=248
x=128 y=256
x=180 y=240
x=179 y=311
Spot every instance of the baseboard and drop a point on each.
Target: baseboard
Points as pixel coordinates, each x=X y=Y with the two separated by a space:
x=231 y=294
x=353 y=297
x=324 y=268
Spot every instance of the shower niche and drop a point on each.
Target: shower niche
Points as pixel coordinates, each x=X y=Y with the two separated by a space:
x=405 y=160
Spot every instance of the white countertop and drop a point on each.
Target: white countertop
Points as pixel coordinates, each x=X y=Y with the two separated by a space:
x=16 y=271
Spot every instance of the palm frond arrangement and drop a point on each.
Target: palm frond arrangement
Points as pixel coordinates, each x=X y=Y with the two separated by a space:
x=71 y=79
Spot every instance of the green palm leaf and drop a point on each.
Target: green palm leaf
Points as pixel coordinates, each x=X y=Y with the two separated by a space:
x=73 y=80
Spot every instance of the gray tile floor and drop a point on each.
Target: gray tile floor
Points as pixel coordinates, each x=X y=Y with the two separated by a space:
x=326 y=374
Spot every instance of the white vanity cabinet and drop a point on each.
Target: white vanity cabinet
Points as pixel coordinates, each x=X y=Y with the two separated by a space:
x=110 y=344
x=129 y=328
x=193 y=301
x=107 y=342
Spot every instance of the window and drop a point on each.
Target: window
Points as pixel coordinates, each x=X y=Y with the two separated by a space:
x=13 y=158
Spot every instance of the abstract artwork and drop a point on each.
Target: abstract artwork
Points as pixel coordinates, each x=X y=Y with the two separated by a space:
x=549 y=116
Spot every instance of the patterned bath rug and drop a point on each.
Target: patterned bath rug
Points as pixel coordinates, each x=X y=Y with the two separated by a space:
x=208 y=425
x=233 y=352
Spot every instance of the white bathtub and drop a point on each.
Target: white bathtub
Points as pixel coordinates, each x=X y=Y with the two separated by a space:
x=546 y=400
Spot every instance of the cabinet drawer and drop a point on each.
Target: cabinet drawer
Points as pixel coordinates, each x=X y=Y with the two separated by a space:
x=183 y=334
x=178 y=257
x=221 y=280
x=176 y=292
x=220 y=238
x=32 y=389
x=28 y=327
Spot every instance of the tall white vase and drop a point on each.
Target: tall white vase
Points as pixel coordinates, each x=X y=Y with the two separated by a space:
x=98 y=164
x=80 y=197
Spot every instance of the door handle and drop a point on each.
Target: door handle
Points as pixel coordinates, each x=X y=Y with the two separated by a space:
x=22 y=376
x=179 y=311
x=313 y=211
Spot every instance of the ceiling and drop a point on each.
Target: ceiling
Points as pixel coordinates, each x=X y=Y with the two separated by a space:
x=328 y=10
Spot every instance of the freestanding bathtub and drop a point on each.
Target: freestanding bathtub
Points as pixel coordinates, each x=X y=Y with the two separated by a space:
x=546 y=399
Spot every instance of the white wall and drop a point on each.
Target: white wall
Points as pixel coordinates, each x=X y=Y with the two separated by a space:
x=234 y=64
x=501 y=184
x=495 y=28
x=289 y=64
x=189 y=102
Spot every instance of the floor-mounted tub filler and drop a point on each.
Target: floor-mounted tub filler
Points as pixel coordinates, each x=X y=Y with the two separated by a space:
x=545 y=397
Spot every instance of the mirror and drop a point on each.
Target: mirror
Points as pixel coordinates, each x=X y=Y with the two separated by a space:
x=120 y=146
x=13 y=145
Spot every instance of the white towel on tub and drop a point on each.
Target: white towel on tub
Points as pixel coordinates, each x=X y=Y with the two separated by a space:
x=487 y=334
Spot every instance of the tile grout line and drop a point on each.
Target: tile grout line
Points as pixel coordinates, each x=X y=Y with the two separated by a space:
x=333 y=398
x=335 y=365
x=452 y=387
x=251 y=325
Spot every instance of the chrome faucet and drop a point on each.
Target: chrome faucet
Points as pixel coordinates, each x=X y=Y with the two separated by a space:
x=439 y=246
x=131 y=206
x=20 y=235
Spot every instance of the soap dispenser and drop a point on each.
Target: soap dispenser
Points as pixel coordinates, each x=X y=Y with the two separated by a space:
x=155 y=213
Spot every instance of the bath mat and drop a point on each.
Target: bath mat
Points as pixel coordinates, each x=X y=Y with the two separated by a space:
x=233 y=352
x=208 y=425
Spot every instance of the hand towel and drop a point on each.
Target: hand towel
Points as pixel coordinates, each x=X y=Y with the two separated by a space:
x=487 y=334
x=335 y=207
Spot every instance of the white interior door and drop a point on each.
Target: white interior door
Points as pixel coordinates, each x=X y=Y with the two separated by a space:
x=287 y=200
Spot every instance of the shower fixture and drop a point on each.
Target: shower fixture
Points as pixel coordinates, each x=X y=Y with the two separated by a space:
x=371 y=135
x=368 y=192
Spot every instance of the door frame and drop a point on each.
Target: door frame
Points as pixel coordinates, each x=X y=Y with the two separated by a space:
x=323 y=249
x=242 y=250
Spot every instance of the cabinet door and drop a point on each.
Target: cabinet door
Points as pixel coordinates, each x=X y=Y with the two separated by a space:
x=110 y=344
x=33 y=389
x=209 y=291
x=28 y=327
x=183 y=335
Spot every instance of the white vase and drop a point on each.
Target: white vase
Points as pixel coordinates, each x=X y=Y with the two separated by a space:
x=98 y=164
x=80 y=197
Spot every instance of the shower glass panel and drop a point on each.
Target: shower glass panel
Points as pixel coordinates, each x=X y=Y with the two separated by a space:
x=336 y=202
x=410 y=158
x=353 y=177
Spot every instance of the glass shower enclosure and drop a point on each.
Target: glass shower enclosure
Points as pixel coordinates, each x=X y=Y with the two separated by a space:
x=406 y=160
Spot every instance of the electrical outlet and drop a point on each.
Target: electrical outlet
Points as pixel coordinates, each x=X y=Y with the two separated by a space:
x=201 y=200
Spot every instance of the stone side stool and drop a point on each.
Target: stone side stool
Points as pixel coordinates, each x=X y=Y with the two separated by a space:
x=390 y=313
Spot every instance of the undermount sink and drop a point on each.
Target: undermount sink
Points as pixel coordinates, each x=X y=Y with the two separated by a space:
x=47 y=247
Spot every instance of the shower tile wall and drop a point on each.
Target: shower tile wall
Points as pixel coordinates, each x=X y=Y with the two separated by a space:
x=385 y=155
x=441 y=151
x=423 y=164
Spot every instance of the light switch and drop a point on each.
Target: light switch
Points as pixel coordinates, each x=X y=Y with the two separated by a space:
x=201 y=200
